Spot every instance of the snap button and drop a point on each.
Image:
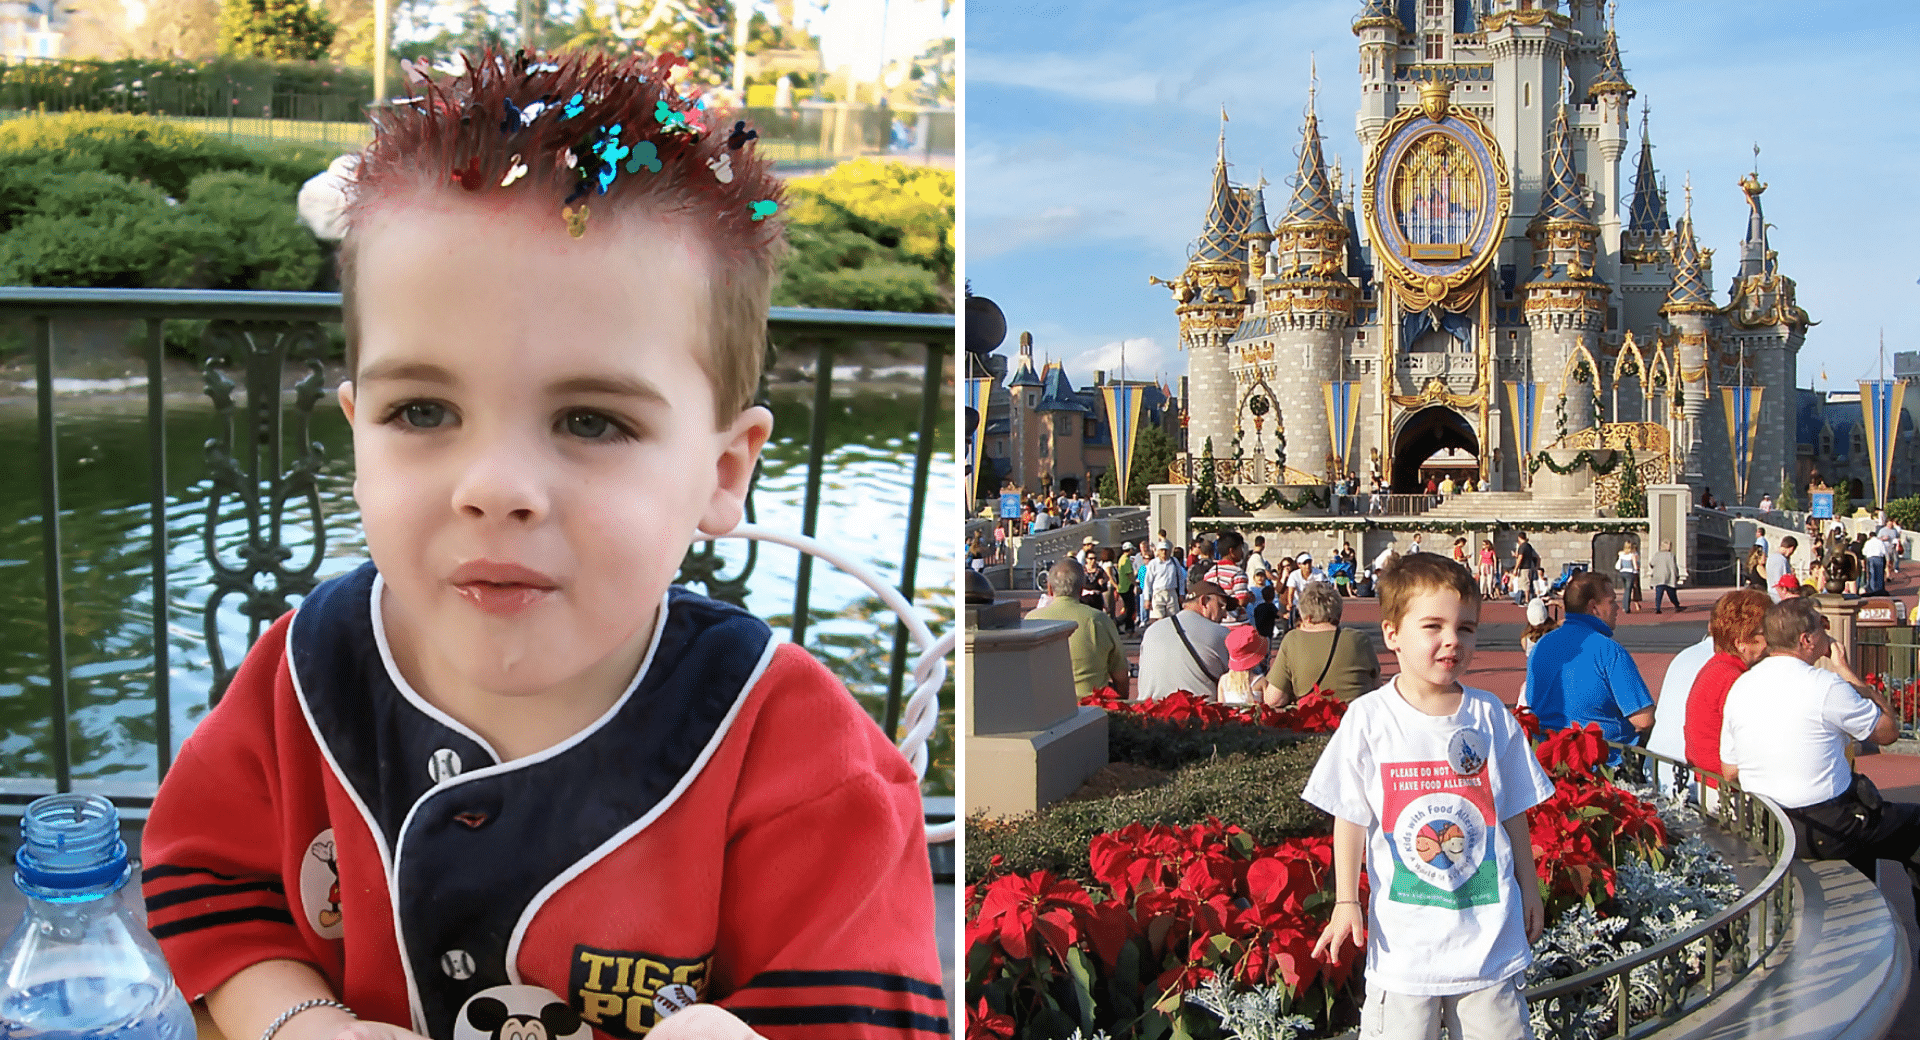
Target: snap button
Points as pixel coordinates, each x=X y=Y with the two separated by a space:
x=458 y=964
x=444 y=765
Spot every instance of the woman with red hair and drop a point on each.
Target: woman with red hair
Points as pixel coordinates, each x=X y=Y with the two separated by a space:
x=1737 y=643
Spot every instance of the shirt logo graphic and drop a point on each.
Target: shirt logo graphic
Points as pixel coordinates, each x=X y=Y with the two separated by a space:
x=1440 y=825
x=624 y=993
x=320 y=886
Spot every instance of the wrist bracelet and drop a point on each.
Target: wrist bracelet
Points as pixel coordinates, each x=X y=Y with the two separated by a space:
x=304 y=1005
x=1337 y=902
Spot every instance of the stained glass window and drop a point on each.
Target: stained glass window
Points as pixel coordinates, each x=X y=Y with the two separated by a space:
x=1437 y=198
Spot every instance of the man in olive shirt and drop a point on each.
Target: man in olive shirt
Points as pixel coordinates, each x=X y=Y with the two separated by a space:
x=1095 y=645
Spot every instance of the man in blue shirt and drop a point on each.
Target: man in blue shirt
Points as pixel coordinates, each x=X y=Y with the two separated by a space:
x=1579 y=674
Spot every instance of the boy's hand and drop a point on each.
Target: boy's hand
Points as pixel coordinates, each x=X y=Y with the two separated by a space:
x=1533 y=911
x=1347 y=923
x=376 y=1031
x=703 y=1022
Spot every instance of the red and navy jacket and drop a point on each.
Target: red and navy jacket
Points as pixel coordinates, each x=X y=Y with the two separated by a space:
x=735 y=830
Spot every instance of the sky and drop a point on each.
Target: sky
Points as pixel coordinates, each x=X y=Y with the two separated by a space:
x=1091 y=129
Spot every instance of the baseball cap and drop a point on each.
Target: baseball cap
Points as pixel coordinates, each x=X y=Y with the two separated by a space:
x=1203 y=588
x=1536 y=611
x=1245 y=649
x=1087 y=541
x=1126 y=545
x=1304 y=558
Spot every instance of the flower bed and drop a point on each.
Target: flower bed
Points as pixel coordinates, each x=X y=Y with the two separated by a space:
x=1167 y=924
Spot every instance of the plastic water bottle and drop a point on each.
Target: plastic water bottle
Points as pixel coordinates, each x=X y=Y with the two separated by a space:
x=81 y=965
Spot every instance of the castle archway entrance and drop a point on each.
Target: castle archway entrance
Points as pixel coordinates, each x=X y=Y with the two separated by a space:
x=1431 y=431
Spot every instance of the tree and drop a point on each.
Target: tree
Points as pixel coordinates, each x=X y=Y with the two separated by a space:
x=178 y=29
x=1633 y=496
x=1152 y=459
x=1786 y=499
x=284 y=30
x=1205 y=492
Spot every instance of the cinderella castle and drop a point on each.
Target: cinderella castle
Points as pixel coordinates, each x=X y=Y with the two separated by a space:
x=1492 y=296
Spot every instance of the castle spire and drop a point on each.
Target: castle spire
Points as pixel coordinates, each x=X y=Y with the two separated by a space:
x=1227 y=214
x=1691 y=291
x=1377 y=13
x=1561 y=199
x=1612 y=76
x=1313 y=200
x=1647 y=212
x=1754 y=257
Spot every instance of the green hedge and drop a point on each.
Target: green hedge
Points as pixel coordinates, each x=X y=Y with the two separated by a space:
x=143 y=149
x=180 y=87
x=1258 y=792
x=1162 y=744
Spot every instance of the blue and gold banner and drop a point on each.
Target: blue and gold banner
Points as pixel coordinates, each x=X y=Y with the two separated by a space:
x=1343 y=419
x=1524 y=399
x=978 y=392
x=1742 y=404
x=1880 y=407
x=1123 y=418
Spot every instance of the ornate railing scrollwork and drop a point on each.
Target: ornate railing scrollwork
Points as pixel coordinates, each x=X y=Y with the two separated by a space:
x=1639 y=994
x=246 y=461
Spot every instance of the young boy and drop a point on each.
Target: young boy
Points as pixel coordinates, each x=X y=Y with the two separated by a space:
x=503 y=780
x=1430 y=781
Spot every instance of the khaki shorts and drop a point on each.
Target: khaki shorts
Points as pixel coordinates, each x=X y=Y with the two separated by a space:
x=1498 y=1012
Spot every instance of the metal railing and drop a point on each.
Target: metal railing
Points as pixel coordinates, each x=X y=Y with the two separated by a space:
x=1890 y=659
x=258 y=334
x=1651 y=989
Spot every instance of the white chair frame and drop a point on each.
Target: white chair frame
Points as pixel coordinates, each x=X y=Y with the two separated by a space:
x=922 y=710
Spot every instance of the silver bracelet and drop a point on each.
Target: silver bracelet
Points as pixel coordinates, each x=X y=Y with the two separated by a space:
x=304 y=1005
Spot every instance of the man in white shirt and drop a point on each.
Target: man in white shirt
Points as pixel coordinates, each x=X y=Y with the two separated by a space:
x=1779 y=565
x=1187 y=651
x=1257 y=559
x=1785 y=735
x=1875 y=552
x=1164 y=572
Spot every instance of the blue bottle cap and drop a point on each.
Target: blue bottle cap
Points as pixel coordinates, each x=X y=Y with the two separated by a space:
x=70 y=842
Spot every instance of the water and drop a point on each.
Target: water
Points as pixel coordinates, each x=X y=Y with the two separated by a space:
x=81 y=963
x=108 y=591
x=96 y=1008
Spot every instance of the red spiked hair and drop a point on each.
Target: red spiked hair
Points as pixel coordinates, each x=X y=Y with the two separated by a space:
x=598 y=136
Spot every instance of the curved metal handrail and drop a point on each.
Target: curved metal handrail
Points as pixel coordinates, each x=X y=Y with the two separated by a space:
x=922 y=712
x=1769 y=832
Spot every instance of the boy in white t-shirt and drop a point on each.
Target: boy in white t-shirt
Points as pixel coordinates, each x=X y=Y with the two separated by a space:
x=1429 y=782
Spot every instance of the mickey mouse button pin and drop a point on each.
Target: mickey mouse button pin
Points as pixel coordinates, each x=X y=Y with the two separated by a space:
x=1467 y=751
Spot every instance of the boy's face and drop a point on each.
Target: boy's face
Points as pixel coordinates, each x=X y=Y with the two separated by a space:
x=534 y=436
x=1436 y=638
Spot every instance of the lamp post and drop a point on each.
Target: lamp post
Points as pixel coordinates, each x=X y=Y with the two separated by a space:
x=379 y=51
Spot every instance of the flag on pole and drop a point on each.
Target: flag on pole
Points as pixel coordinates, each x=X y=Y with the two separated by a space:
x=1880 y=406
x=1123 y=419
x=1343 y=415
x=978 y=391
x=1524 y=399
x=1742 y=404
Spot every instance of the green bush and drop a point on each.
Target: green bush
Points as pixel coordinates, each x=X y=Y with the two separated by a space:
x=1905 y=511
x=882 y=286
x=184 y=87
x=93 y=229
x=139 y=148
x=1169 y=745
x=870 y=235
x=1260 y=793
x=262 y=244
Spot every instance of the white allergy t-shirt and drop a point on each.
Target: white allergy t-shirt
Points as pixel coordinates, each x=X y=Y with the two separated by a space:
x=1787 y=725
x=1445 y=914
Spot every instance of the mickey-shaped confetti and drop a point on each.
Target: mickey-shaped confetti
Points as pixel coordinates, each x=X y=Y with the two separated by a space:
x=740 y=135
x=765 y=208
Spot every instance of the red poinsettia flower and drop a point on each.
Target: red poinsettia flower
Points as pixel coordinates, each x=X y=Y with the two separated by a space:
x=984 y=1023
